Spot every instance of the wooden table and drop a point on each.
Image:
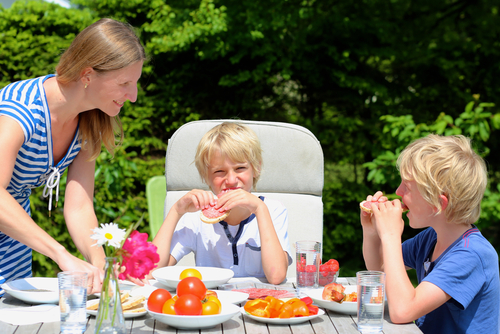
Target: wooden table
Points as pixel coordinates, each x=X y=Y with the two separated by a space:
x=330 y=322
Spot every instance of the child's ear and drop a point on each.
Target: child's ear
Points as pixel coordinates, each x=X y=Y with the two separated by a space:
x=444 y=202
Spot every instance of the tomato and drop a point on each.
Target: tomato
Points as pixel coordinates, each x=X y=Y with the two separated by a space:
x=190 y=272
x=333 y=292
x=157 y=299
x=193 y=286
x=213 y=299
x=210 y=308
x=210 y=293
x=188 y=305
x=168 y=307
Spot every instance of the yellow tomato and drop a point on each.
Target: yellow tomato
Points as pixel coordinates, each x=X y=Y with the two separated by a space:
x=190 y=272
x=168 y=307
x=210 y=308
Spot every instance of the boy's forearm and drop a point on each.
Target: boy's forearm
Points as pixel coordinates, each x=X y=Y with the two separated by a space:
x=163 y=239
x=399 y=289
x=274 y=259
x=372 y=251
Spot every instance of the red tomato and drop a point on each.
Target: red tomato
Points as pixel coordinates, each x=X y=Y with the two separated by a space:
x=157 y=299
x=188 y=305
x=191 y=285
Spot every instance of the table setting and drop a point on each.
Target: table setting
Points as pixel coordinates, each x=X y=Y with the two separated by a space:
x=34 y=301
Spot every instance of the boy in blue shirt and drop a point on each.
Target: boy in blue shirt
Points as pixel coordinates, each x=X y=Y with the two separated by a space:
x=443 y=182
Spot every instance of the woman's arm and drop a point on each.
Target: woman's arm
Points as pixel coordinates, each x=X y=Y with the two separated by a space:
x=79 y=208
x=14 y=221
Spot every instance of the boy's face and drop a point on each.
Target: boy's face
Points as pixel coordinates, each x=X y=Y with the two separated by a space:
x=419 y=209
x=224 y=174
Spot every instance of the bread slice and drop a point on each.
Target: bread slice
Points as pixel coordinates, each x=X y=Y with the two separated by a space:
x=132 y=301
x=136 y=309
x=214 y=220
x=93 y=304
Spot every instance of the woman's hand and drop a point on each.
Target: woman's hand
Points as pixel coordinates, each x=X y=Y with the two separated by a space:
x=68 y=262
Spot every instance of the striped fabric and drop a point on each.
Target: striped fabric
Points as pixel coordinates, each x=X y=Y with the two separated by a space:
x=25 y=102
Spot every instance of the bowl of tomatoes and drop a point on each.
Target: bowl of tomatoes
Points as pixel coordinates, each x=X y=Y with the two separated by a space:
x=192 y=307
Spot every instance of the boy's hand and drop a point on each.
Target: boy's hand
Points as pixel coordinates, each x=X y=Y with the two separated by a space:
x=239 y=198
x=367 y=219
x=387 y=219
x=193 y=201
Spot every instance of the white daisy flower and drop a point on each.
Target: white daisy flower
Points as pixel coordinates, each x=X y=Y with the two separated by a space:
x=109 y=234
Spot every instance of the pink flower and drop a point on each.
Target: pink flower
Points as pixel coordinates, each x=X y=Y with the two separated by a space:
x=139 y=257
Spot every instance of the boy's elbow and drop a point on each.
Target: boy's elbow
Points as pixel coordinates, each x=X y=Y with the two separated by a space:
x=400 y=316
x=276 y=278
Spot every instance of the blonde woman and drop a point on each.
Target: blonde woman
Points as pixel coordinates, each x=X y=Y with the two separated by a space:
x=58 y=122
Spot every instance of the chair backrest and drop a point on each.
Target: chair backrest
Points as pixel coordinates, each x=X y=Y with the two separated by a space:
x=156 y=190
x=292 y=173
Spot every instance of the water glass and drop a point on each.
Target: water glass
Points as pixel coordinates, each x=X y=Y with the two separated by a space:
x=308 y=257
x=371 y=301
x=72 y=301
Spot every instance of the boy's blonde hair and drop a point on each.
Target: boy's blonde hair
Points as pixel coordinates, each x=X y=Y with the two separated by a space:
x=106 y=45
x=234 y=141
x=446 y=165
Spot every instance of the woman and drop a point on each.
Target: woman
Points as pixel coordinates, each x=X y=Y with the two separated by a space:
x=56 y=122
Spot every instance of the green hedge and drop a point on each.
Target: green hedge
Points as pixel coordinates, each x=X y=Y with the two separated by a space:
x=365 y=77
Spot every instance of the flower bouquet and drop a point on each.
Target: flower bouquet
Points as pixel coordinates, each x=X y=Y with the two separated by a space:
x=135 y=256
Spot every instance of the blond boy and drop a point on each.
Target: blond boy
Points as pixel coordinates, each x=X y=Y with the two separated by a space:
x=253 y=239
x=443 y=182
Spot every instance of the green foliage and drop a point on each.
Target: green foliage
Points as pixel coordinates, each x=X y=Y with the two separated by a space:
x=366 y=77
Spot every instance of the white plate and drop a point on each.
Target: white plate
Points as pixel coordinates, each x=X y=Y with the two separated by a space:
x=23 y=289
x=231 y=297
x=212 y=277
x=125 y=314
x=197 y=321
x=344 y=307
x=278 y=321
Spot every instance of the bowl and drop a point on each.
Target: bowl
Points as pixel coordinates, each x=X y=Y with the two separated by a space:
x=197 y=321
x=211 y=276
x=34 y=290
x=344 y=307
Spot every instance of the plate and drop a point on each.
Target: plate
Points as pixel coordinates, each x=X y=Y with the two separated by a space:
x=25 y=290
x=197 y=321
x=231 y=297
x=278 y=321
x=125 y=314
x=345 y=307
x=211 y=276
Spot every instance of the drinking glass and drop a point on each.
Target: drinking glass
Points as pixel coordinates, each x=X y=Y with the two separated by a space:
x=308 y=257
x=371 y=301
x=72 y=301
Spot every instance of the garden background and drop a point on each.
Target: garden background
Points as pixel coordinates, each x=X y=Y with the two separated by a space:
x=366 y=77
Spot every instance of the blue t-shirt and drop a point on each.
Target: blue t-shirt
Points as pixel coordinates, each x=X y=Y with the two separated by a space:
x=468 y=272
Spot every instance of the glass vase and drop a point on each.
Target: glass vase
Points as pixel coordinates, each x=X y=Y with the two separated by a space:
x=109 y=319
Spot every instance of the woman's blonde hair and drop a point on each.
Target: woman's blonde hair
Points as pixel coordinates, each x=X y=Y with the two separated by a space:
x=234 y=141
x=447 y=165
x=107 y=45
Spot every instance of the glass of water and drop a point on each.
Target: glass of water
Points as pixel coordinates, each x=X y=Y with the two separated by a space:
x=371 y=301
x=72 y=301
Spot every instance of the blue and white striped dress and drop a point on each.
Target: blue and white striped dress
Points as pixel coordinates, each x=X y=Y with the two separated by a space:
x=25 y=102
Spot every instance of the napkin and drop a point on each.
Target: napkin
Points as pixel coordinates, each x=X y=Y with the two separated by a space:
x=30 y=315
